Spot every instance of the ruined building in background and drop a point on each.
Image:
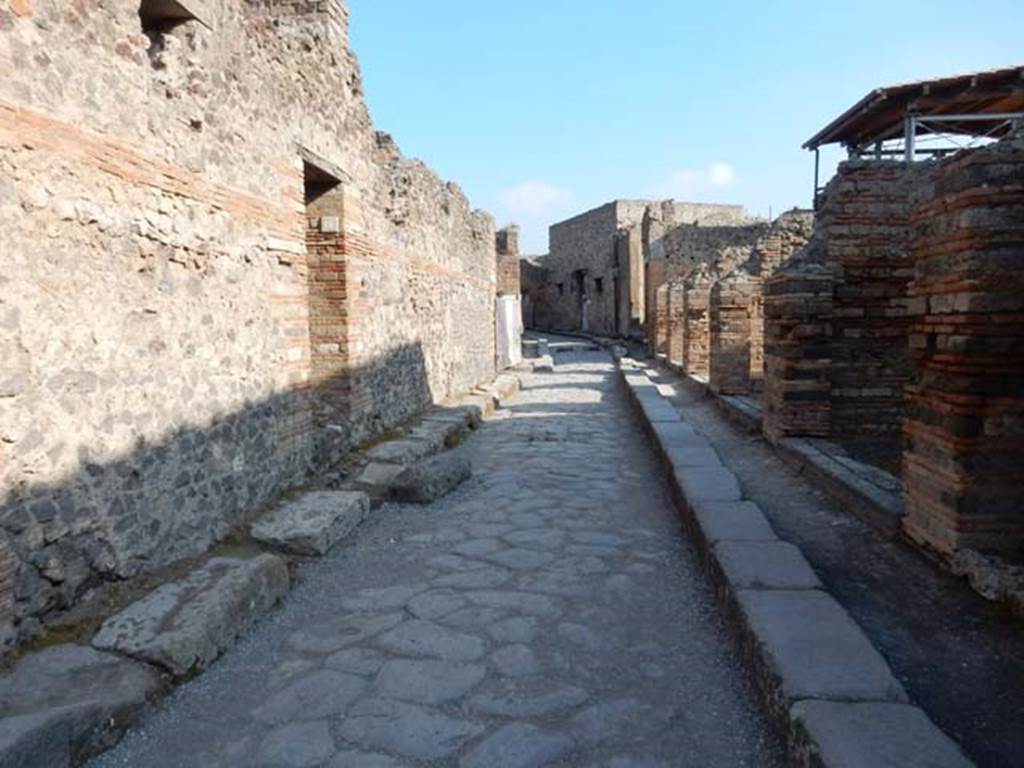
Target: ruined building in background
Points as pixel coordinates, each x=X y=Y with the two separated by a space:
x=593 y=276
x=898 y=331
x=216 y=277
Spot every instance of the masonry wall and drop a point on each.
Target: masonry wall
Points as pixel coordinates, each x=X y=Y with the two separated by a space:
x=604 y=247
x=583 y=256
x=848 y=304
x=866 y=225
x=174 y=354
x=963 y=464
x=509 y=282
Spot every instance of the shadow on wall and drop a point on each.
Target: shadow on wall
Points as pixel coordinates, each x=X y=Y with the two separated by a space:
x=116 y=519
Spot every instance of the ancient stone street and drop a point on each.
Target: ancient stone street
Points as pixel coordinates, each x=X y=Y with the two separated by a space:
x=548 y=612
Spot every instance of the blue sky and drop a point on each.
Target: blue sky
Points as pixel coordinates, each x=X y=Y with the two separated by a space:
x=540 y=109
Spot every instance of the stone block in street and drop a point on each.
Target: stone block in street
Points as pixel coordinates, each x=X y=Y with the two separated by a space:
x=871 y=734
x=67 y=703
x=810 y=648
x=765 y=565
x=732 y=521
x=185 y=625
x=430 y=479
x=407 y=450
x=313 y=523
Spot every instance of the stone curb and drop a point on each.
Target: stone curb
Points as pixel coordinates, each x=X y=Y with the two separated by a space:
x=874 y=505
x=819 y=677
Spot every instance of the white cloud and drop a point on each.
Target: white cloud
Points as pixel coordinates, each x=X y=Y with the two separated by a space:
x=534 y=205
x=695 y=183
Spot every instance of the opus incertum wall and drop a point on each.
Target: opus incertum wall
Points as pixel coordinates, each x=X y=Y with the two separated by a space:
x=215 y=275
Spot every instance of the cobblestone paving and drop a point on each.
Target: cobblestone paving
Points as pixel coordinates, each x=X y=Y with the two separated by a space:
x=548 y=612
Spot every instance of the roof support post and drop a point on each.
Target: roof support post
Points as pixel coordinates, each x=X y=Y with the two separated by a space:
x=910 y=136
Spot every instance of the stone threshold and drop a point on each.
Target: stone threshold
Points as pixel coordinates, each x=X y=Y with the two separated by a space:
x=63 y=705
x=820 y=679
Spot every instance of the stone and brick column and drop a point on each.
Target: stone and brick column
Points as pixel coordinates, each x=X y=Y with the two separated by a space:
x=964 y=459
x=696 y=343
x=661 y=320
x=676 y=322
x=730 y=332
x=798 y=352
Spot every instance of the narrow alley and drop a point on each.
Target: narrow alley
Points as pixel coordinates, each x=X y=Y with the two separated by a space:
x=548 y=612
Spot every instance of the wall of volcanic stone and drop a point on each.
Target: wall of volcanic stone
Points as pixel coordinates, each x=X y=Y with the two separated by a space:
x=159 y=378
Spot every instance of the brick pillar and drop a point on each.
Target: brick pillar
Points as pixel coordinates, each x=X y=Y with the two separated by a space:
x=330 y=381
x=797 y=353
x=729 y=308
x=676 y=321
x=660 y=307
x=864 y=224
x=964 y=460
x=698 y=329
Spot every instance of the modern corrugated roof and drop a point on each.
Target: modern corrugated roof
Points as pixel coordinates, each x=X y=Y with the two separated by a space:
x=879 y=115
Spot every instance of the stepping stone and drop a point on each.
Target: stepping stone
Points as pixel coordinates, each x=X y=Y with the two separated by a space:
x=332 y=636
x=324 y=693
x=183 y=626
x=517 y=745
x=424 y=638
x=870 y=734
x=406 y=451
x=454 y=414
x=765 y=565
x=430 y=479
x=313 y=523
x=379 y=476
x=812 y=649
x=426 y=681
x=448 y=433
x=732 y=521
x=299 y=745
x=67 y=703
x=407 y=729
